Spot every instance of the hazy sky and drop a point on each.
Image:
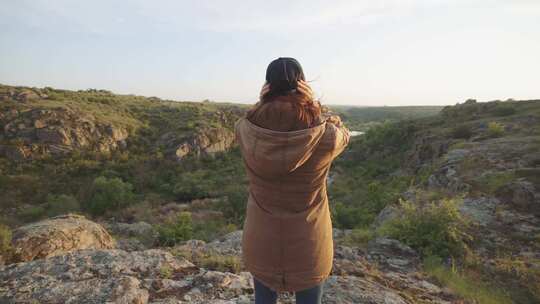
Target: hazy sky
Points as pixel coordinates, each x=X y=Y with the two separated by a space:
x=355 y=52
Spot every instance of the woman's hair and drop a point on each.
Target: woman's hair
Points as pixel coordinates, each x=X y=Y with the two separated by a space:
x=282 y=75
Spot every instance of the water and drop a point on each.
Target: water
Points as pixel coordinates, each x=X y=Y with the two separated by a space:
x=356 y=133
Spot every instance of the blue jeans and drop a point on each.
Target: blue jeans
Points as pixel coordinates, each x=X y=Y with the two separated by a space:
x=265 y=295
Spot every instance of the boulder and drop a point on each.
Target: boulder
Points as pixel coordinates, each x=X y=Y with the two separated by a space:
x=392 y=255
x=206 y=141
x=58 y=235
x=230 y=243
x=25 y=96
x=352 y=289
x=91 y=276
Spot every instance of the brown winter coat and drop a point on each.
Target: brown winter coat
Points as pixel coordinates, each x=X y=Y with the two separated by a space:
x=287 y=242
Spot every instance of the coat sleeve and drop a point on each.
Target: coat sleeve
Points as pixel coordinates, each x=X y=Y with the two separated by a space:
x=341 y=139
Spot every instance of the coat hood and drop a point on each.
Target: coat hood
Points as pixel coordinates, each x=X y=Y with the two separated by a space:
x=273 y=153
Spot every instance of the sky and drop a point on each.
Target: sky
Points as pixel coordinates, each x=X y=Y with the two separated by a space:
x=357 y=52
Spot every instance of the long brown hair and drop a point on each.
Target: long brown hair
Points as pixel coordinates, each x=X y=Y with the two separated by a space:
x=283 y=75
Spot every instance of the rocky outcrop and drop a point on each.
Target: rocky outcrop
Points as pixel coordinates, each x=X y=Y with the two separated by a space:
x=392 y=255
x=426 y=149
x=387 y=272
x=206 y=141
x=56 y=236
x=521 y=194
x=93 y=276
x=35 y=132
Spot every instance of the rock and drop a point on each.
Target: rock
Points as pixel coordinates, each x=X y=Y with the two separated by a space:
x=59 y=131
x=27 y=95
x=53 y=136
x=57 y=236
x=14 y=153
x=243 y=281
x=90 y=276
x=481 y=210
x=392 y=254
x=39 y=124
x=521 y=194
x=130 y=244
x=357 y=290
x=388 y=213
x=426 y=149
x=131 y=229
x=203 y=142
x=117 y=134
x=230 y=244
x=456 y=155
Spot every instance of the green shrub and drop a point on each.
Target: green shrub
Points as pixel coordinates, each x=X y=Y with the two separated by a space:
x=234 y=206
x=32 y=213
x=109 y=194
x=165 y=272
x=436 y=229
x=349 y=217
x=209 y=230
x=462 y=132
x=358 y=237
x=192 y=185
x=495 y=129
x=61 y=204
x=175 y=231
x=504 y=110
x=389 y=136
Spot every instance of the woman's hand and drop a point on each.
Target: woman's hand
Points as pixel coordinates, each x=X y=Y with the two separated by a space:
x=264 y=90
x=304 y=89
x=334 y=119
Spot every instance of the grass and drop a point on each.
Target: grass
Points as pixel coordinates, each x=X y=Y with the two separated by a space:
x=464 y=284
x=211 y=260
x=489 y=183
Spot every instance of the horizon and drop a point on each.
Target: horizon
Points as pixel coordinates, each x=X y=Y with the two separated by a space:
x=396 y=53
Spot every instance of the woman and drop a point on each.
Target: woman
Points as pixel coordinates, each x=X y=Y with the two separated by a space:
x=288 y=144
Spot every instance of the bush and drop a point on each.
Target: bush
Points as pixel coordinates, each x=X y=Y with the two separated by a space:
x=192 y=185
x=109 y=194
x=462 y=132
x=209 y=230
x=349 y=217
x=358 y=237
x=436 y=229
x=32 y=213
x=504 y=110
x=495 y=129
x=234 y=206
x=175 y=231
x=61 y=204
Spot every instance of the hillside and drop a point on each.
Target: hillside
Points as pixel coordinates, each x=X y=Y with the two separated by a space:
x=362 y=118
x=430 y=205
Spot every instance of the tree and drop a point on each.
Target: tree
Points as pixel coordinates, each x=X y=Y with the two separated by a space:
x=109 y=194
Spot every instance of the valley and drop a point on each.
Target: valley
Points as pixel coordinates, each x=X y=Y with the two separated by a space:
x=429 y=204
